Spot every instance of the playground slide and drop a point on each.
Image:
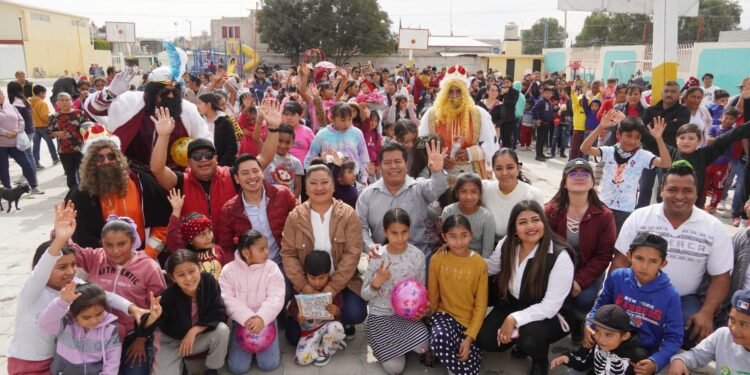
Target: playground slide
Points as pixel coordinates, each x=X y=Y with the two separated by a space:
x=252 y=58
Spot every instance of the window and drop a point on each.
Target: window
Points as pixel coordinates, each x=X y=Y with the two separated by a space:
x=224 y=32
x=39 y=17
x=237 y=32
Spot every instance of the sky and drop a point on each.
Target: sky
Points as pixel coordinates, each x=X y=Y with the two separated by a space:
x=475 y=18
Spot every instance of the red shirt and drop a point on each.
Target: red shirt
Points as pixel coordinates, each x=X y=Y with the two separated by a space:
x=70 y=125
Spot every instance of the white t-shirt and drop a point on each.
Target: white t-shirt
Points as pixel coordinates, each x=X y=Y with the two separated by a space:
x=321 y=232
x=618 y=188
x=500 y=204
x=699 y=245
x=708 y=94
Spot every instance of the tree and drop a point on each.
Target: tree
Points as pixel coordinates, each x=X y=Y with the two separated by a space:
x=102 y=44
x=533 y=39
x=715 y=16
x=601 y=29
x=341 y=28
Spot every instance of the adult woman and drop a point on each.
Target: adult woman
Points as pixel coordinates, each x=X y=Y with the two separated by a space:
x=324 y=223
x=507 y=189
x=699 y=115
x=65 y=125
x=16 y=97
x=402 y=109
x=406 y=134
x=535 y=274
x=12 y=126
x=491 y=104
x=224 y=140
x=576 y=214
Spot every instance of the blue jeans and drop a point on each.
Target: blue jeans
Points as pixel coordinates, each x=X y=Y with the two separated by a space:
x=562 y=135
x=21 y=159
x=576 y=308
x=736 y=168
x=41 y=133
x=691 y=303
x=30 y=152
x=239 y=361
x=516 y=132
x=131 y=368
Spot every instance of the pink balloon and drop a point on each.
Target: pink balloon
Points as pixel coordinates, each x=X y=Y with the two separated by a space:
x=409 y=298
x=256 y=343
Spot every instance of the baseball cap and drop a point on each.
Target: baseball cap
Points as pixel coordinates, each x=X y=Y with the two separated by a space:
x=578 y=163
x=200 y=143
x=612 y=317
x=741 y=301
x=652 y=240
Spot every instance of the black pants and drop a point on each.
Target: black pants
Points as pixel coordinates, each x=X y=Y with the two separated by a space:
x=542 y=133
x=534 y=338
x=506 y=133
x=71 y=162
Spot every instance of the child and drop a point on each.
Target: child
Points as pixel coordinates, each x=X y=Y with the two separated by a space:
x=118 y=268
x=190 y=315
x=467 y=193
x=373 y=141
x=303 y=136
x=248 y=121
x=193 y=232
x=40 y=118
x=54 y=266
x=65 y=126
x=87 y=340
x=389 y=134
x=625 y=161
x=543 y=117
x=319 y=339
x=285 y=169
x=727 y=346
x=650 y=299
x=716 y=172
x=344 y=178
x=716 y=109
x=253 y=289
x=340 y=136
x=527 y=127
x=616 y=347
x=389 y=335
x=458 y=294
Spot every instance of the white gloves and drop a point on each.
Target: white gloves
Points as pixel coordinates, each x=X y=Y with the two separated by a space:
x=121 y=82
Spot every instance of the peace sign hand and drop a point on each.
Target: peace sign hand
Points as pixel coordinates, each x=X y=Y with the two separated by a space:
x=382 y=275
x=435 y=157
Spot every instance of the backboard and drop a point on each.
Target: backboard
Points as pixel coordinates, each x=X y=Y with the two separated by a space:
x=684 y=8
x=120 y=32
x=413 y=38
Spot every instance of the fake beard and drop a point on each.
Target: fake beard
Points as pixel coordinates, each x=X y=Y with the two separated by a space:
x=173 y=104
x=455 y=103
x=109 y=179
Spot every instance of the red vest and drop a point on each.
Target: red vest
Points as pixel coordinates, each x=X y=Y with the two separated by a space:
x=196 y=200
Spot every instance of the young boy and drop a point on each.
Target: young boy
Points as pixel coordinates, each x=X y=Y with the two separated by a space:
x=543 y=118
x=716 y=172
x=728 y=346
x=40 y=118
x=615 y=349
x=303 y=135
x=625 y=161
x=648 y=296
x=319 y=339
x=285 y=169
x=342 y=137
x=721 y=98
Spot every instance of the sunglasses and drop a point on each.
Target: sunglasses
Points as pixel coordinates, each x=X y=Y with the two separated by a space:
x=579 y=174
x=166 y=91
x=98 y=158
x=205 y=155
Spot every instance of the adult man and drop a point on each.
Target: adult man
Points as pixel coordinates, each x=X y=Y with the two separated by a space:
x=26 y=85
x=396 y=189
x=463 y=127
x=698 y=245
x=708 y=88
x=206 y=185
x=509 y=97
x=128 y=114
x=674 y=115
x=260 y=84
x=109 y=187
x=110 y=74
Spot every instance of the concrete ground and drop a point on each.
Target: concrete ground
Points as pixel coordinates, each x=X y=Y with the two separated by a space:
x=21 y=232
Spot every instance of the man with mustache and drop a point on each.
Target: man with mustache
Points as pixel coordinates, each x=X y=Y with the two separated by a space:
x=109 y=187
x=127 y=114
x=464 y=128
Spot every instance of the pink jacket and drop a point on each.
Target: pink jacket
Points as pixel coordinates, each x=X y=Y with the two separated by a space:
x=132 y=281
x=252 y=290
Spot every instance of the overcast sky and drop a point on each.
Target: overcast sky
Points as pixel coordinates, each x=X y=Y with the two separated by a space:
x=475 y=18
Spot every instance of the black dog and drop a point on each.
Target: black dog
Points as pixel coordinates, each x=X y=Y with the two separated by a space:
x=13 y=195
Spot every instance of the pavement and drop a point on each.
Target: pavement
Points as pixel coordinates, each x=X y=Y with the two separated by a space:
x=23 y=230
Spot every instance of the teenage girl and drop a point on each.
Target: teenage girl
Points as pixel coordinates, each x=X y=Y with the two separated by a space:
x=468 y=193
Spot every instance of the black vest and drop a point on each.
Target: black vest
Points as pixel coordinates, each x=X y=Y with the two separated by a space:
x=525 y=298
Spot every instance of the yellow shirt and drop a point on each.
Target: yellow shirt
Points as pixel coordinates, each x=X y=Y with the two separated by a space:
x=39 y=112
x=458 y=286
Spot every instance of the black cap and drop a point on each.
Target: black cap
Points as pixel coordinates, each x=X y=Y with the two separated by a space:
x=578 y=163
x=199 y=143
x=652 y=240
x=741 y=301
x=612 y=317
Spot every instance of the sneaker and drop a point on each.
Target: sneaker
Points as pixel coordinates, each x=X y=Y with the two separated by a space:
x=736 y=222
x=322 y=360
x=36 y=191
x=349 y=331
x=562 y=155
x=39 y=167
x=342 y=346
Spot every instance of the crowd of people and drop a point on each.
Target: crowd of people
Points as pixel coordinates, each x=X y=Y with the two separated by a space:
x=161 y=253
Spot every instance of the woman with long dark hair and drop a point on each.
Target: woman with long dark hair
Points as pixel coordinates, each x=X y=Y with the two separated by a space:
x=219 y=124
x=534 y=269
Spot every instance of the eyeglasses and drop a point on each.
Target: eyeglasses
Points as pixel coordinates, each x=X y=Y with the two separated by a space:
x=98 y=158
x=205 y=155
x=579 y=174
x=170 y=90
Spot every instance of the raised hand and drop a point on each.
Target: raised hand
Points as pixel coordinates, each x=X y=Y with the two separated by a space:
x=155 y=308
x=163 y=122
x=657 y=129
x=65 y=222
x=270 y=109
x=176 y=199
x=435 y=157
x=121 y=82
x=68 y=292
x=382 y=275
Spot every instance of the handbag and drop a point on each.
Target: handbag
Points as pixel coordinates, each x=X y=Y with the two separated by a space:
x=22 y=141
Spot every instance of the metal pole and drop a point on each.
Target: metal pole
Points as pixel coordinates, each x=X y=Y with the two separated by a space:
x=545 y=33
x=451 y=17
x=190 y=31
x=566 y=29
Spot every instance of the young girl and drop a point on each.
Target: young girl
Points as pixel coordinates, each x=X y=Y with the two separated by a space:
x=190 y=315
x=389 y=134
x=458 y=294
x=467 y=193
x=389 y=335
x=31 y=349
x=87 y=340
x=220 y=126
x=253 y=289
x=193 y=232
x=119 y=269
x=248 y=121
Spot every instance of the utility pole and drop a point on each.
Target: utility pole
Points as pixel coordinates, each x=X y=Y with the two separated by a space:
x=565 y=25
x=451 y=19
x=190 y=33
x=546 y=29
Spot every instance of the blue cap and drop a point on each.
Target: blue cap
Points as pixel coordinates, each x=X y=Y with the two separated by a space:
x=741 y=301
